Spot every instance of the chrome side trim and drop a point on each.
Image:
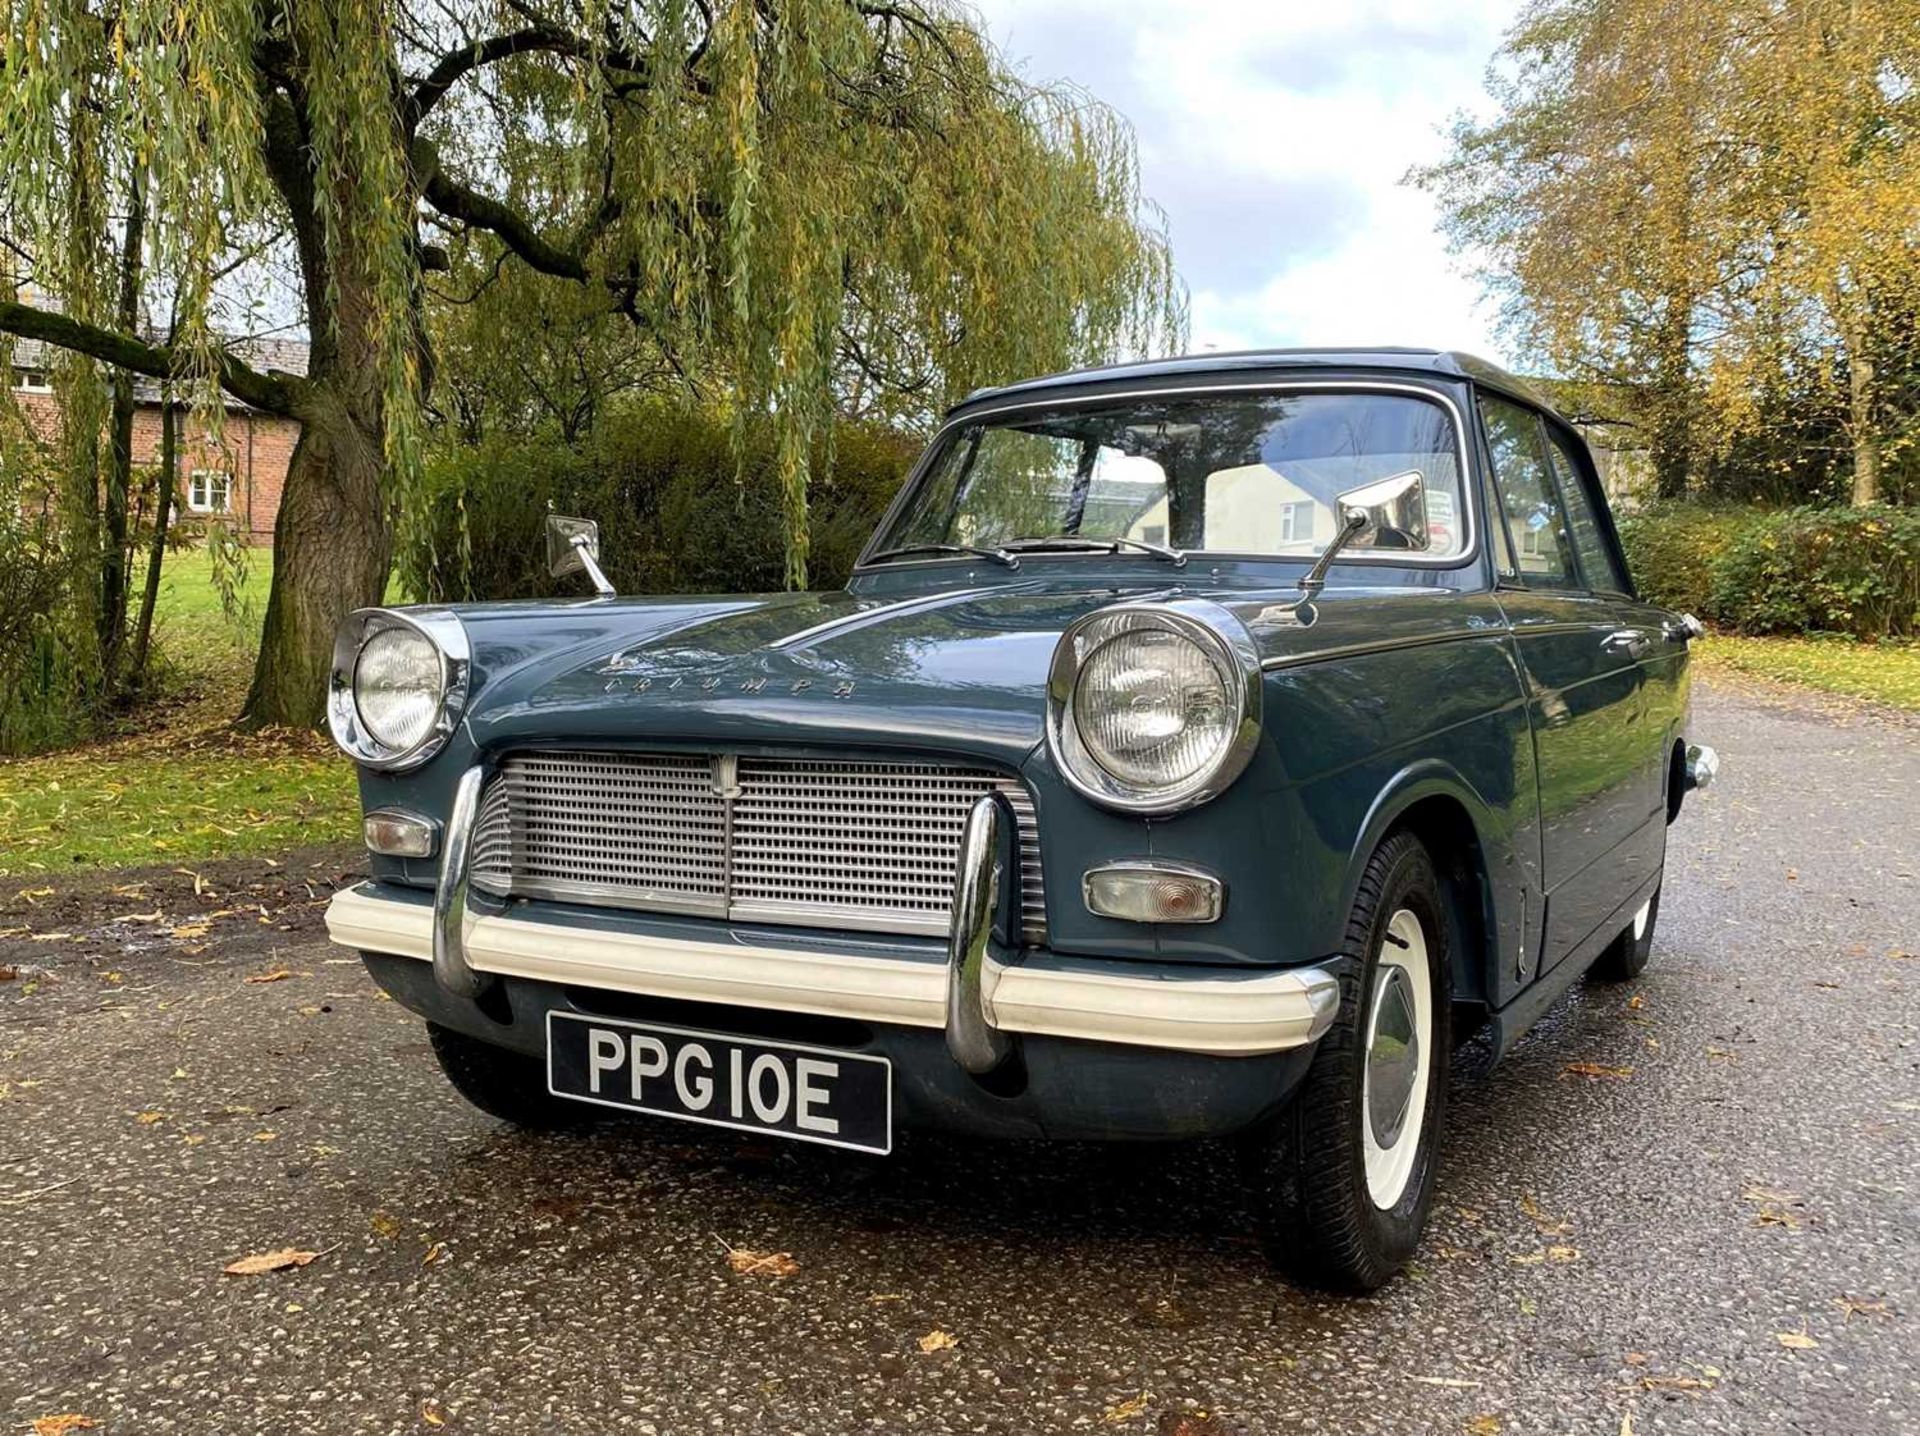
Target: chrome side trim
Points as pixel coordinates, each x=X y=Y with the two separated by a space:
x=1469 y=551
x=1383 y=645
x=972 y=972
x=1222 y=1016
x=451 y=968
x=854 y=622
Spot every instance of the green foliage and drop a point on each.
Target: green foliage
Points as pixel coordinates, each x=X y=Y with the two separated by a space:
x=1850 y=571
x=1672 y=548
x=681 y=506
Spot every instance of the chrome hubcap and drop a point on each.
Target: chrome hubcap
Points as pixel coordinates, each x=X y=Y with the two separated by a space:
x=1398 y=1039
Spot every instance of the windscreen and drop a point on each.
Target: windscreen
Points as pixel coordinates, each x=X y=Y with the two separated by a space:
x=1232 y=473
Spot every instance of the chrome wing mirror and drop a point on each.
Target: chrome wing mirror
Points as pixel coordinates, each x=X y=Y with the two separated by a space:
x=1396 y=504
x=573 y=546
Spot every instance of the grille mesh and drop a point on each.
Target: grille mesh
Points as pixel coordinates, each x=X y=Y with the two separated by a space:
x=814 y=842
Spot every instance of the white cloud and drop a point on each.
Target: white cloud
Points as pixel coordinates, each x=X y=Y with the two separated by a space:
x=1276 y=135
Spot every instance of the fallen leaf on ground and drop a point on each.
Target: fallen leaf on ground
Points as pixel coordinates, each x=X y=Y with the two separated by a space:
x=1548 y=1226
x=1853 y=1307
x=751 y=1263
x=1769 y=1194
x=431 y=1413
x=1776 y=1217
x=937 y=1340
x=1128 y=1410
x=153 y=916
x=262 y=1262
x=1722 y=1054
x=189 y=929
x=62 y=1424
x=266 y=1136
x=1563 y=1254
x=1484 y=1426
x=279 y=974
x=1626 y=1424
x=1596 y=1071
x=1796 y=1340
x=1674 y=1383
x=49 y=936
x=8 y=972
x=384 y=1225
x=147 y=1119
x=434 y=1253
x=880 y=1296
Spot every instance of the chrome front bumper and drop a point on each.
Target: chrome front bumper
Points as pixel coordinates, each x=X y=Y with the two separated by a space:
x=985 y=990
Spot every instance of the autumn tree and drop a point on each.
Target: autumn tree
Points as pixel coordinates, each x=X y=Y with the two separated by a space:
x=770 y=193
x=1679 y=202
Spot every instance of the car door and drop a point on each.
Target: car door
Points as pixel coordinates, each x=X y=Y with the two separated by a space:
x=1657 y=645
x=1585 y=692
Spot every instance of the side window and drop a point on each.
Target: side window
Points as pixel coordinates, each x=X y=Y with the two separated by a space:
x=1543 y=549
x=1596 y=558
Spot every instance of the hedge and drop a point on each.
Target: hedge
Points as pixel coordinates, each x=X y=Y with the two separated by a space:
x=1802 y=570
x=1852 y=571
x=678 y=512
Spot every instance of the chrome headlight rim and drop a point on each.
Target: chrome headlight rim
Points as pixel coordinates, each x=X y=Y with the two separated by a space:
x=448 y=638
x=1228 y=646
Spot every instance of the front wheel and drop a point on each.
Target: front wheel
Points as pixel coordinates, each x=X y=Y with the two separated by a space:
x=1343 y=1180
x=503 y=1084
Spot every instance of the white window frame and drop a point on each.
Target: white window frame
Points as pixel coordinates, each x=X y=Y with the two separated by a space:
x=1291 y=515
x=206 y=481
x=24 y=383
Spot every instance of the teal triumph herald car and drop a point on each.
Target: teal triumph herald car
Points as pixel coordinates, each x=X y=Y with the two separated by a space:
x=1198 y=749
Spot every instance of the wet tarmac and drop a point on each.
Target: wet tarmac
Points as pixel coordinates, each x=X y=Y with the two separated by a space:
x=1720 y=1233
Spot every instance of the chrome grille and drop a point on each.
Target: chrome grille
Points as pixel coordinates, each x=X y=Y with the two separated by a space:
x=815 y=842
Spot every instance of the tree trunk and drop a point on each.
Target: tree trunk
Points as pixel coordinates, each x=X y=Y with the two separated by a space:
x=114 y=545
x=1866 y=445
x=135 y=673
x=1672 y=426
x=331 y=552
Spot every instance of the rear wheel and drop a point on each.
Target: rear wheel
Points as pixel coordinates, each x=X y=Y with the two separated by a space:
x=1344 y=1179
x=1626 y=956
x=503 y=1084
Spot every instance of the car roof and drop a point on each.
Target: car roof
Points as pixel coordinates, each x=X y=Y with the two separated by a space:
x=1443 y=363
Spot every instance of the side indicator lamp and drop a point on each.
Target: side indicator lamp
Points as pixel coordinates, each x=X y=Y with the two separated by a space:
x=1152 y=891
x=396 y=834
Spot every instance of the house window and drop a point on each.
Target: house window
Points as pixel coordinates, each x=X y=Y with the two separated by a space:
x=33 y=381
x=210 y=491
x=1296 y=522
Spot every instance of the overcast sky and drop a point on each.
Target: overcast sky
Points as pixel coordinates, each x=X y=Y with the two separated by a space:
x=1275 y=134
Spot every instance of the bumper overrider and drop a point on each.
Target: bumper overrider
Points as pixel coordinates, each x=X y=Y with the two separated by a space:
x=982 y=995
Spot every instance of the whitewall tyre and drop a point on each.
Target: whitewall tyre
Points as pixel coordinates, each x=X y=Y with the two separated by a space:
x=1626 y=956
x=1343 y=1180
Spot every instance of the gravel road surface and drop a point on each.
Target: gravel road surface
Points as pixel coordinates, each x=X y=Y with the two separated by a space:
x=1720 y=1232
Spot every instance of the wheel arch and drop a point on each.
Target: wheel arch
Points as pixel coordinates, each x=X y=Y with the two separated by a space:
x=1436 y=804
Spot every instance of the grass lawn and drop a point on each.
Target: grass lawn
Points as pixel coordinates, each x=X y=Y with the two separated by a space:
x=1884 y=672
x=180 y=786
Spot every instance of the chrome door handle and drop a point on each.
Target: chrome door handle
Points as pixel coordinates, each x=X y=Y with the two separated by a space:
x=1630 y=641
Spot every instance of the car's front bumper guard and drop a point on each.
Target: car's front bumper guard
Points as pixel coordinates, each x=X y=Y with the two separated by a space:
x=979 y=997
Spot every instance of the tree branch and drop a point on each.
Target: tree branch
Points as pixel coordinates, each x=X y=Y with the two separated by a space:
x=274 y=393
x=481 y=211
x=456 y=64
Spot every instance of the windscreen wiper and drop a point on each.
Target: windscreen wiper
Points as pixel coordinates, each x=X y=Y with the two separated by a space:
x=998 y=555
x=1074 y=543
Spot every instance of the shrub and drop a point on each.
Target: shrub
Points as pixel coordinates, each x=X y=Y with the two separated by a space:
x=677 y=513
x=1672 y=547
x=1835 y=570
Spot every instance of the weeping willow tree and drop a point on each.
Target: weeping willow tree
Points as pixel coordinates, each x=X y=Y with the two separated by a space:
x=787 y=197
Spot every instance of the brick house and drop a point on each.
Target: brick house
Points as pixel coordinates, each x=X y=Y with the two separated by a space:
x=239 y=478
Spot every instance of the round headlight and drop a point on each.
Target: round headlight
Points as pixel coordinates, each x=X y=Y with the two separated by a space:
x=397 y=687
x=1153 y=708
x=398 y=684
